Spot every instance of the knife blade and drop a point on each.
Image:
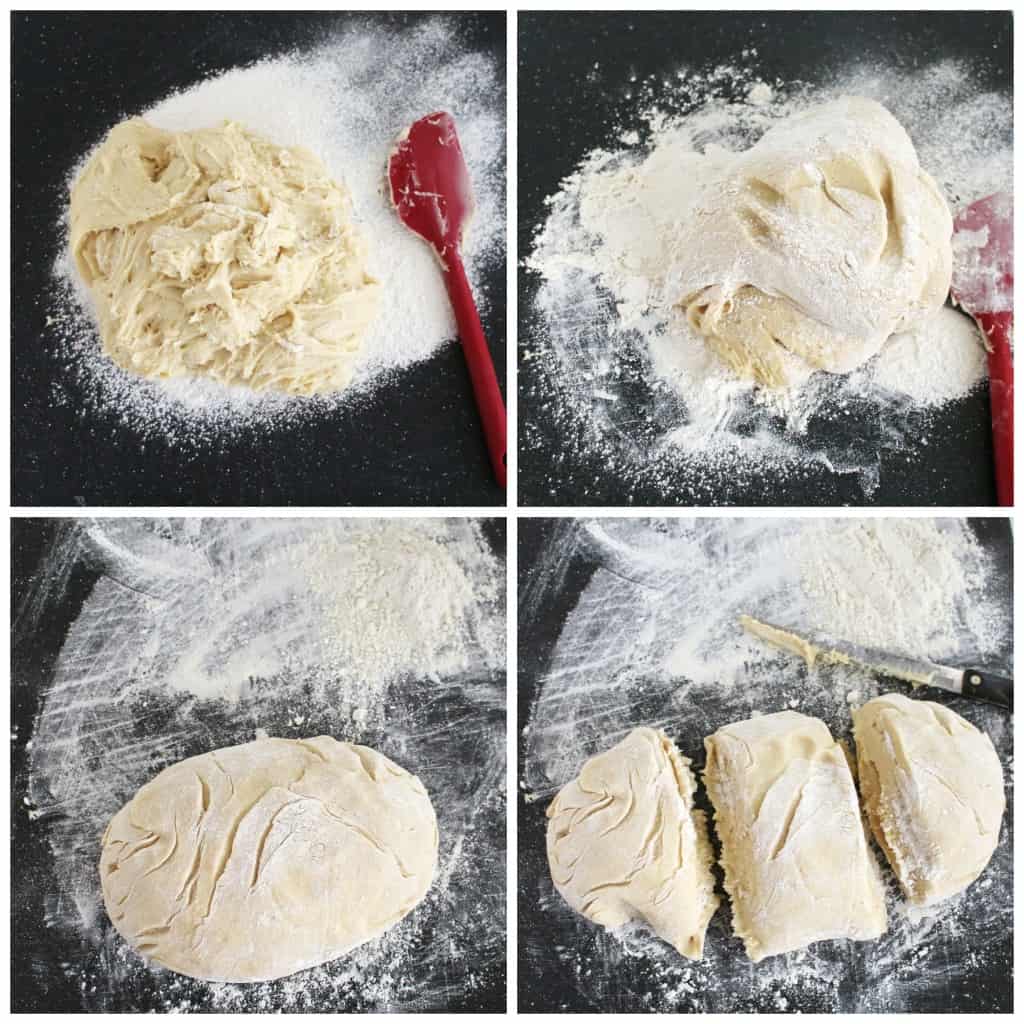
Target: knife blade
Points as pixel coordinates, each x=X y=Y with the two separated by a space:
x=817 y=649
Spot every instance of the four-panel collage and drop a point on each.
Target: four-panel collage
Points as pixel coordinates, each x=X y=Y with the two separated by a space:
x=697 y=700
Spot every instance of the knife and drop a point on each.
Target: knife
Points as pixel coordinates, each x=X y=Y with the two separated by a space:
x=978 y=684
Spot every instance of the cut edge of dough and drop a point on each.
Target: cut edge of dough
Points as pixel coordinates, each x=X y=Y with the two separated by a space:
x=686 y=784
x=887 y=837
x=740 y=926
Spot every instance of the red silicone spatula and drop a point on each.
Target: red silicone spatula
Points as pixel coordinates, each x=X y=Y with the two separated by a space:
x=431 y=191
x=983 y=287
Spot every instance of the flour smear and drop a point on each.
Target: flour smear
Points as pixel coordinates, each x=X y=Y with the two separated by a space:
x=200 y=634
x=346 y=100
x=624 y=379
x=654 y=639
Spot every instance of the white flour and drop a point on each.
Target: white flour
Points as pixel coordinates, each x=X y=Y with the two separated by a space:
x=900 y=585
x=200 y=634
x=943 y=358
x=347 y=101
x=623 y=378
x=654 y=640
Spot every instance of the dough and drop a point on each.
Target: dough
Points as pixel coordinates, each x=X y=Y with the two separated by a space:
x=810 y=249
x=794 y=851
x=252 y=862
x=625 y=843
x=215 y=253
x=932 y=786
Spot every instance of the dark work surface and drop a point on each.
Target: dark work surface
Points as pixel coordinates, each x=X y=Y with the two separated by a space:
x=563 y=115
x=414 y=442
x=39 y=955
x=546 y=984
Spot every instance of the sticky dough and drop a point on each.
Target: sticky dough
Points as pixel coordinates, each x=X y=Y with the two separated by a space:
x=252 y=862
x=794 y=851
x=932 y=786
x=216 y=253
x=625 y=842
x=810 y=249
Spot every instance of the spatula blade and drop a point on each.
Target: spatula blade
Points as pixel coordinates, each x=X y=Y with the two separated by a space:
x=983 y=255
x=430 y=185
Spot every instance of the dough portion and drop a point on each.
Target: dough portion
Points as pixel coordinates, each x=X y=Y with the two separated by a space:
x=932 y=786
x=253 y=862
x=216 y=253
x=625 y=842
x=796 y=859
x=807 y=251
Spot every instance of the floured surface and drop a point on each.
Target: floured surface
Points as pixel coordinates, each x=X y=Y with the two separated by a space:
x=626 y=386
x=199 y=634
x=345 y=99
x=628 y=623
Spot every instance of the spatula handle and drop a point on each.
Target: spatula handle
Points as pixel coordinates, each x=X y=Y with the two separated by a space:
x=489 y=402
x=997 y=328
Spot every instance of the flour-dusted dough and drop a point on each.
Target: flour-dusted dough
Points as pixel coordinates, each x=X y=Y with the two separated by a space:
x=932 y=786
x=810 y=249
x=625 y=842
x=215 y=253
x=796 y=859
x=252 y=862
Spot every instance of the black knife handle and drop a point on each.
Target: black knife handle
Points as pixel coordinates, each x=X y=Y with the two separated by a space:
x=989 y=687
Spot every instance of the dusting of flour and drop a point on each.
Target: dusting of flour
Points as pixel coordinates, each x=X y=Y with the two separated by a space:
x=621 y=377
x=199 y=634
x=347 y=100
x=654 y=639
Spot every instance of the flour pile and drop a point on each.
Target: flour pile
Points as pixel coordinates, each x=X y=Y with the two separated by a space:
x=667 y=400
x=200 y=634
x=345 y=101
x=654 y=640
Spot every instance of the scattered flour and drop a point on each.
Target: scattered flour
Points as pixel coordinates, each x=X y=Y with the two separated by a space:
x=620 y=377
x=654 y=639
x=760 y=94
x=205 y=633
x=346 y=100
x=859 y=590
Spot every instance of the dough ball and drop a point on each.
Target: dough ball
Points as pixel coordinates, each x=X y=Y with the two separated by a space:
x=932 y=786
x=625 y=843
x=215 y=253
x=794 y=850
x=252 y=862
x=807 y=251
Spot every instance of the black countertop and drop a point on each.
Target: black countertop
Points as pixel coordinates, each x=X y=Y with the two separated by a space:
x=53 y=970
x=568 y=964
x=567 y=108
x=416 y=441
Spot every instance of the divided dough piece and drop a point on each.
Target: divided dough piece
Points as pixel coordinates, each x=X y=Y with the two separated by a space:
x=625 y=843
x=252 y=862
x=796 y=859
x=932 y=787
